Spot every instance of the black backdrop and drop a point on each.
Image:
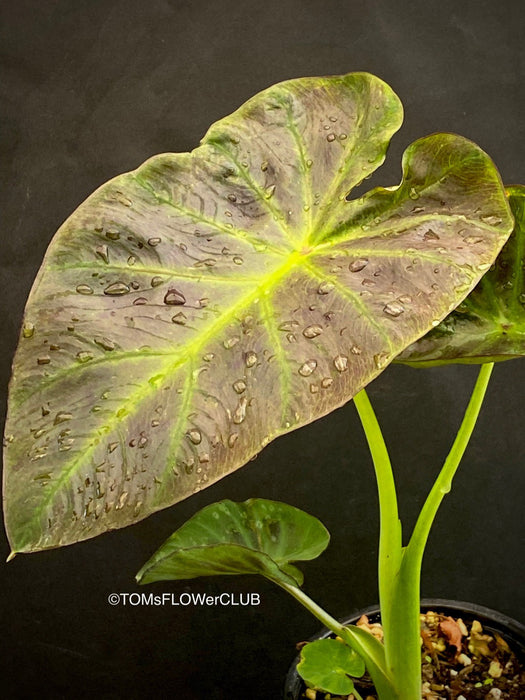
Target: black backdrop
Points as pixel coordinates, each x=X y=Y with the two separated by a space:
x=91 y=89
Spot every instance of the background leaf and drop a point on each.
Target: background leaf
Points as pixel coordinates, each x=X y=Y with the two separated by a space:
x=326 y=665
x=254 y=537
x=180 y=297
x=489 y=325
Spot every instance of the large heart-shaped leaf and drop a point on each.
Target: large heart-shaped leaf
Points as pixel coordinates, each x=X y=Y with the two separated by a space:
x=193 y=310
x=490 y=324
x=254 y=537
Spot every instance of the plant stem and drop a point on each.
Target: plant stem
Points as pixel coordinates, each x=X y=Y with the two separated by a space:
x=443 y=483
x=390 y=537
x=395 y=599
x=400 y=568
x=403 y=654
x=362 y=642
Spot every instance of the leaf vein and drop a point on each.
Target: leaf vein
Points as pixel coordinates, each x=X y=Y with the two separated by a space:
x=259 y=193
x=353 y=298
x=212 y=223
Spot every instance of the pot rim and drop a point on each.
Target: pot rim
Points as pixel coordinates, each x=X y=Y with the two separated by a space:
x=493 y=620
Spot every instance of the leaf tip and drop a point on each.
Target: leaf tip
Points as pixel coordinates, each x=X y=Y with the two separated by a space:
x=11 y=556
x=142 y=576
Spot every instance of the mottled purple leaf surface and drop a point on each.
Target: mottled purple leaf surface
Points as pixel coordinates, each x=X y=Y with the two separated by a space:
x=489 y=326
x=192 y=310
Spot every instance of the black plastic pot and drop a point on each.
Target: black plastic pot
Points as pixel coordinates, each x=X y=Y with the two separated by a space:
x=511 y=630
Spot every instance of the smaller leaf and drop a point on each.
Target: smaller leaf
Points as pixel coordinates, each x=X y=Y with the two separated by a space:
x=226 y=538
x=326 y=665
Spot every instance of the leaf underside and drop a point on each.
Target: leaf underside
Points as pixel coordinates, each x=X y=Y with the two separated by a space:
x=194 y=309
x=489 y=325
x=226 y=538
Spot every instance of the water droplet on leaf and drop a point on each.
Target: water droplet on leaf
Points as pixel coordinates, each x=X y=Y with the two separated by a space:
x=195 y=436
x=84 y=356
x=394 y=309
x=122 y=500
x=312 y=331
x=358 y=265
x=288 y=326
x=84 y=289
x=341 y=363
x=250 y=359
x=231 y=342
x=116 y=289
x=240 y=412
x=174 y=298
x=61 y=417
x=325 y=288
x=126 y=201
x=491 y=220
x=105 y=343
x=28 y=329
x=180 y=319
x=232 y=439
x=306 y=369
x=102 y=252
x=380 y=360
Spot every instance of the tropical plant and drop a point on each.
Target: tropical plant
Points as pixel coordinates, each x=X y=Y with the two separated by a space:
x=264 y=537
x=182 y=295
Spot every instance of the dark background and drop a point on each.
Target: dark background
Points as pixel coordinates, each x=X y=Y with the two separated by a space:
x=92 y=89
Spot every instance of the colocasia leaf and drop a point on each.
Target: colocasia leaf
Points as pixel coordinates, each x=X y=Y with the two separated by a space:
x=490 y=324
x=254 y=537
x=193 y=310
x=326 y=665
